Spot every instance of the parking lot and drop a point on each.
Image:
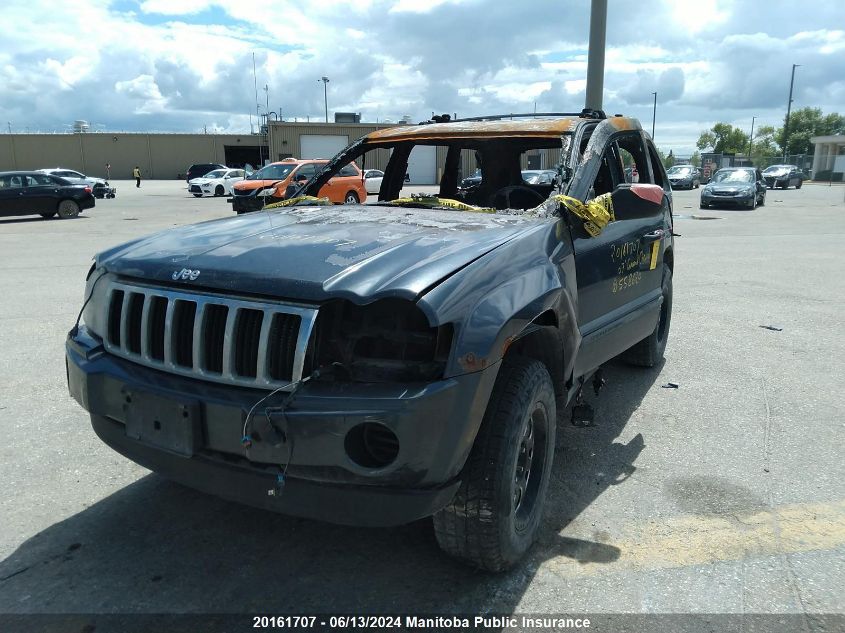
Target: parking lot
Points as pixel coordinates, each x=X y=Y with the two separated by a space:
x=723 y=495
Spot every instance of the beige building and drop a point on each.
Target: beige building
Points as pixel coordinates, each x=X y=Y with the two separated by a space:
x=168 y=156
x=829 y=155
x=160 y=156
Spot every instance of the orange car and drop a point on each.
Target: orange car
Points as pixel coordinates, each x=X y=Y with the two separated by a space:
x=270 y=183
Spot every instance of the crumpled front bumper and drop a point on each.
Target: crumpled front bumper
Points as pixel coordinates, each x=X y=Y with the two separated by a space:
x=435 y=424
x=246 y=204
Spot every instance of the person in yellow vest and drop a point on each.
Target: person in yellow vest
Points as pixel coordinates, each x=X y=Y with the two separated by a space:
x=136 y=174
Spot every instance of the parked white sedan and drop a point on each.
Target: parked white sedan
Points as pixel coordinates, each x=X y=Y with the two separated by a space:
x=215 y=183
x=372 y=180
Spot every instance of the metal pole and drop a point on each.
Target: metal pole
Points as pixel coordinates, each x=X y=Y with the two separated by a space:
x=788 y=110
x=325 y=81
x=751 y=137
x=653 y=115
x=595 y=55
x=257 y=115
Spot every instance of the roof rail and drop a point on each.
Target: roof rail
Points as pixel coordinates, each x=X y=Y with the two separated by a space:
x=586 y=113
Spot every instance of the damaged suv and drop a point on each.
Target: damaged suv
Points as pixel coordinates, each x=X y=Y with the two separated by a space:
x=376 y=364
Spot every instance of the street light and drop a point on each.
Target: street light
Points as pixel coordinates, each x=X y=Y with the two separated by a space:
x=788 y=110
x=325 y=81
x=653 y=115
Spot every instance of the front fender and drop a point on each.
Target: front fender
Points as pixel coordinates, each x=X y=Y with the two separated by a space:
x=492 y=300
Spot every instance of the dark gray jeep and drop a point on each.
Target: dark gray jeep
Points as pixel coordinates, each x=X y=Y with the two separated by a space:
x=375 y=364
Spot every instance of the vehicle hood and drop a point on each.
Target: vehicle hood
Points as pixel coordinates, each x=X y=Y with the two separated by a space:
x=315 y=253
x=252 y=185
x=680 y=176
x=776 y=172
x=203 y=181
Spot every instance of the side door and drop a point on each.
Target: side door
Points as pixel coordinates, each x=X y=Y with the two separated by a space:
x=40 y=193
x=619 y=272
x=11 y=194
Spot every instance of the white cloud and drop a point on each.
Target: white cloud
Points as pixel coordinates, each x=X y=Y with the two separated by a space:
x=159 y=68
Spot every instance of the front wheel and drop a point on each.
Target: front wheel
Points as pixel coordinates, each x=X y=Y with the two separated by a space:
x=798 y=184
x=197 y=195
x=219 y=191
x=496 y=513
x=68 y=209
x=351 y=198
x=649 y=351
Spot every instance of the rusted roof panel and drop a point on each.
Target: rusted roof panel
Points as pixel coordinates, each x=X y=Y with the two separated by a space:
x=540 y=128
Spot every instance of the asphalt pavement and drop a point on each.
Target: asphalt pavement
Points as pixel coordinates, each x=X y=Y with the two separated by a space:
x=723 y=495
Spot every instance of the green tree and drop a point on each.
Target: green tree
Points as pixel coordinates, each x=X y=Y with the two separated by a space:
x=723 y=138
x=764 y=146
x=695 y=159
x=805 y=124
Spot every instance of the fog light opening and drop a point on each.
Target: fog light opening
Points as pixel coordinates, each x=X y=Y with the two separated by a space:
x=371 y=445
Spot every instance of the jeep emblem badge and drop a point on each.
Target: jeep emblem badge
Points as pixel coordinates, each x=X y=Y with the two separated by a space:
x=185 y=274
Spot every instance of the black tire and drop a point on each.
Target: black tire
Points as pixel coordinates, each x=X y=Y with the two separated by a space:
x=68 y=209
x=219 y=191
x=800 y=182
x=495 y=515
x=47 y=216
x=351 y=198
x=197 y=195
x=649 y=351
x=753 y=204
x=762 y=200
x=701 y=205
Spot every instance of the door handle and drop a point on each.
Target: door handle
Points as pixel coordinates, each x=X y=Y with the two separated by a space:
x=654 y=235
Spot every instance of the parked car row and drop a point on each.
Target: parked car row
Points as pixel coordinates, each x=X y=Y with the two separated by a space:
x=39 y=193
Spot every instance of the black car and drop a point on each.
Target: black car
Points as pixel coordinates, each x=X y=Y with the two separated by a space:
x=734 y=186
x=784 y=176
x=379 y=363
x=31 y=192
x=201 y=169
x=684 y=177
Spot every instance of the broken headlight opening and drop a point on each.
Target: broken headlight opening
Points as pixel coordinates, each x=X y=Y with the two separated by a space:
x=92 y=314
x=386 y=341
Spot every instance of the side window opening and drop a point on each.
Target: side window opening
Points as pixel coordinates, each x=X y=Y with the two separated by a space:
x=634 y=158
x=657 y=167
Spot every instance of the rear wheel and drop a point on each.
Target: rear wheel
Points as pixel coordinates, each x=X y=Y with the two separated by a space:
x=649 y=351
x=495 y=515
x=219 y=191
x=351 y=198
x=68 y=209
x=798 y=184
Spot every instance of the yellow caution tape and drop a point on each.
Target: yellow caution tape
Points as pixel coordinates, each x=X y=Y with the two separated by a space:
x=434 y=201
x=596 y=213
x=290 y=201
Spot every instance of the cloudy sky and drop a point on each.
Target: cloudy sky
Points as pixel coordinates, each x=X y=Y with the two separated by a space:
x=182 y=65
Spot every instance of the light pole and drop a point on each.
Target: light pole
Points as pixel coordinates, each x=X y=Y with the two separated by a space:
x=325 y=81
x=751 y=137
x=653 y=115
x=788 y=110
x=595 y=55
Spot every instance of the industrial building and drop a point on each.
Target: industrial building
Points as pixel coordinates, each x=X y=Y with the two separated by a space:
x=168 y=156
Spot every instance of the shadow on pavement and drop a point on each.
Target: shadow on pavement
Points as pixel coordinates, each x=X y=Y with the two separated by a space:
x=156 y=547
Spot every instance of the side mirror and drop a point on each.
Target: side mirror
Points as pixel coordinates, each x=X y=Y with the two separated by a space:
x=637 y=200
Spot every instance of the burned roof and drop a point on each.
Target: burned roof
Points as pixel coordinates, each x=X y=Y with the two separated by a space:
x=502 y=128
x=520 y=128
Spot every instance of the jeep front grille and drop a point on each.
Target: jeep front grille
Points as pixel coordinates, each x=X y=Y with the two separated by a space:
x=222 y=339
